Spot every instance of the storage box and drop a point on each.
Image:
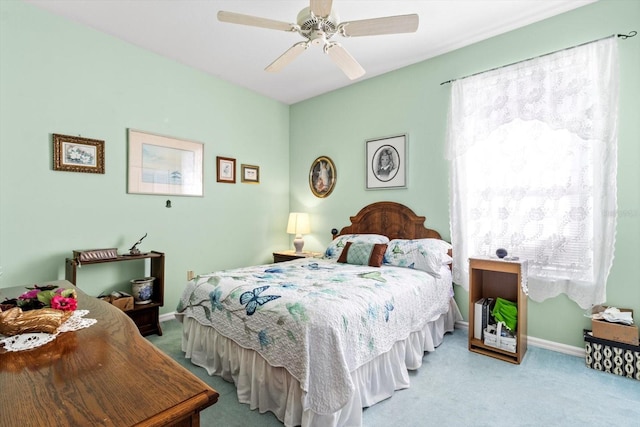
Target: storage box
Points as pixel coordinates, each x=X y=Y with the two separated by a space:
x=493 y=338
x=83 y=255
x=619 y=332
x=611 y=356
x=121 y=300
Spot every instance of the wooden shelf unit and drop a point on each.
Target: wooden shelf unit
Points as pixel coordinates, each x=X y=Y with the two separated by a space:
x=145 y=316
x=492 y=278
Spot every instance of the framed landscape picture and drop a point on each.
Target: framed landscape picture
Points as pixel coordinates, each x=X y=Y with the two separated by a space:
x=164 y=165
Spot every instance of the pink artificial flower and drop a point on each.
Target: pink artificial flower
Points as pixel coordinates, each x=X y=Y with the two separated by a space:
x=32 y=294
x=61 y=303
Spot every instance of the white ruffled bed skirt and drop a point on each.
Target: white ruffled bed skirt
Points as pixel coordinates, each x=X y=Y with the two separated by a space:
x=268 y=388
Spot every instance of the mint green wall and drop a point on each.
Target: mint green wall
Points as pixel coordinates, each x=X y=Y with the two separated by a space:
x=59 y=77
x=412 y=100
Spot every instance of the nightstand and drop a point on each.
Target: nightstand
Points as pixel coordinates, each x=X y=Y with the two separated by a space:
x=289 y=255
x=493 y=278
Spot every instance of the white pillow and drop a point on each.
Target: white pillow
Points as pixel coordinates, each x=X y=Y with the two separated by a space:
x=446 y=259
x=334 y=249
x=422 y=254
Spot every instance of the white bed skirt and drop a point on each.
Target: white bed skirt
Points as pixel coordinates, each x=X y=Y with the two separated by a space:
x=268 y=388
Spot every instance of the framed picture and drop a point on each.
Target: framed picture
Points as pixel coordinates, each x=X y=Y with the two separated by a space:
x=164 y=165
x=226 y=170
x=387 y=162
x=250 y=174
x=75 y=154
x=322 y=176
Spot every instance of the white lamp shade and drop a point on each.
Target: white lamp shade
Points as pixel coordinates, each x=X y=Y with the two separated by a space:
x=298 y=223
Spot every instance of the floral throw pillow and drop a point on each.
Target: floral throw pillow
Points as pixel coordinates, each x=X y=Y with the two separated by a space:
x=335 y=248
x=360 y=253
x=422 y=254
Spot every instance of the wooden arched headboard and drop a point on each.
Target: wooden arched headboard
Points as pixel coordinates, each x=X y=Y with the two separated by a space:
x=391 y=219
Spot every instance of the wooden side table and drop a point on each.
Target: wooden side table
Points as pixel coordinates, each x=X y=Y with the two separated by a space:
x=290 y=255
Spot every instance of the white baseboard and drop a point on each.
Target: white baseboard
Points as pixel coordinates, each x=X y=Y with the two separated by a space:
x=538 y=342
x=167 y=316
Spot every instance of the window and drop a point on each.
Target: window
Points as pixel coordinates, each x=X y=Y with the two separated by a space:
x=533 y=169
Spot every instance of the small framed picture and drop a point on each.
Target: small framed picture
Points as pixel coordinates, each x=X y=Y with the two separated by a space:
x=75 y=154
x=250 y=174
x=322 y=176
x=226 y=170
x=386 y=162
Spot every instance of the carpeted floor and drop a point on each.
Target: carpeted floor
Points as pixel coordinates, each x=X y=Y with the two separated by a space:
x=455 y=387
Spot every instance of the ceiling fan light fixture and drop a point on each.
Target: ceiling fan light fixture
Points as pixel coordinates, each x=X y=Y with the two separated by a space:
x=310 y=23
x=317 y=23
x=318 y=38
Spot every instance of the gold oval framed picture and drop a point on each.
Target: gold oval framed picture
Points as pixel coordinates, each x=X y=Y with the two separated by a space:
x=322 y=176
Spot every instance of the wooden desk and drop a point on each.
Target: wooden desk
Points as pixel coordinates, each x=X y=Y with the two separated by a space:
x=104 y=375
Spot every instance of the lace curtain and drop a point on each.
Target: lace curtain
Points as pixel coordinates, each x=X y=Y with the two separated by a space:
x=533 y=152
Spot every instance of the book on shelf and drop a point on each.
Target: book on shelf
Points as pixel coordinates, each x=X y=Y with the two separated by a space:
x=490 y=320
x=477 y=319
x=482 y=316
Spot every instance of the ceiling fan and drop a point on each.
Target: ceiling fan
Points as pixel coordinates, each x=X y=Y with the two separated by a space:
x=317 y=24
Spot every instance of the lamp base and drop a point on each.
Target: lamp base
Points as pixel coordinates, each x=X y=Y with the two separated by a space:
x=298 y=243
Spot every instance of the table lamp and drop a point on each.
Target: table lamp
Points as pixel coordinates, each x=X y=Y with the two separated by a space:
x=298 y=225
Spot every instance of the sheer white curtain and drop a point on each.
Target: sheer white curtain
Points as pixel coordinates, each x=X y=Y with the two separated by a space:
x=533 y=152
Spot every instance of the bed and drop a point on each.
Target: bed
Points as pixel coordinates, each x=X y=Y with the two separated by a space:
x=316 y=340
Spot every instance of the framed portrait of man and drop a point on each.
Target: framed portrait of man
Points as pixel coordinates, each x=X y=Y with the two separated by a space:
x=386 y=162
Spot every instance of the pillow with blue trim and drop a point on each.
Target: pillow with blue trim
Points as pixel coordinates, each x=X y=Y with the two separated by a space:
x=422 y=254
x=360 y=253
x=336 y=246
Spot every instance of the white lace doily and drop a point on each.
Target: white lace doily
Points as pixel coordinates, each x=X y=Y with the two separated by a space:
x=37 y=339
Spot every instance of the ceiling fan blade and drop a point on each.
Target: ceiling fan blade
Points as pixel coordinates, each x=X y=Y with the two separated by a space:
x=286 y=58
x=321 y=8
x=254 y=21
x=344 y=60
x=376 y=26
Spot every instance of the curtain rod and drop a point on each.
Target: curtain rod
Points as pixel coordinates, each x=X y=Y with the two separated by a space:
x=622 y=36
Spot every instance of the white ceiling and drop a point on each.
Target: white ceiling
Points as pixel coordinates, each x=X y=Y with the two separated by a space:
x=189 y=32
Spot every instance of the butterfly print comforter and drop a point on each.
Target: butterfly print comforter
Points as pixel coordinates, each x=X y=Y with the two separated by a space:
x=317 y=318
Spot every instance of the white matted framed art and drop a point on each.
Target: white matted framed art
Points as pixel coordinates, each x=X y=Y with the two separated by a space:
x=226 y=167
x=386 y=162
x=250 y=174
x=164 y=165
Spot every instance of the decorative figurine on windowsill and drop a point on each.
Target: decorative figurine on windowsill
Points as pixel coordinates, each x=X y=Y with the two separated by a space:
x=134 y=249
